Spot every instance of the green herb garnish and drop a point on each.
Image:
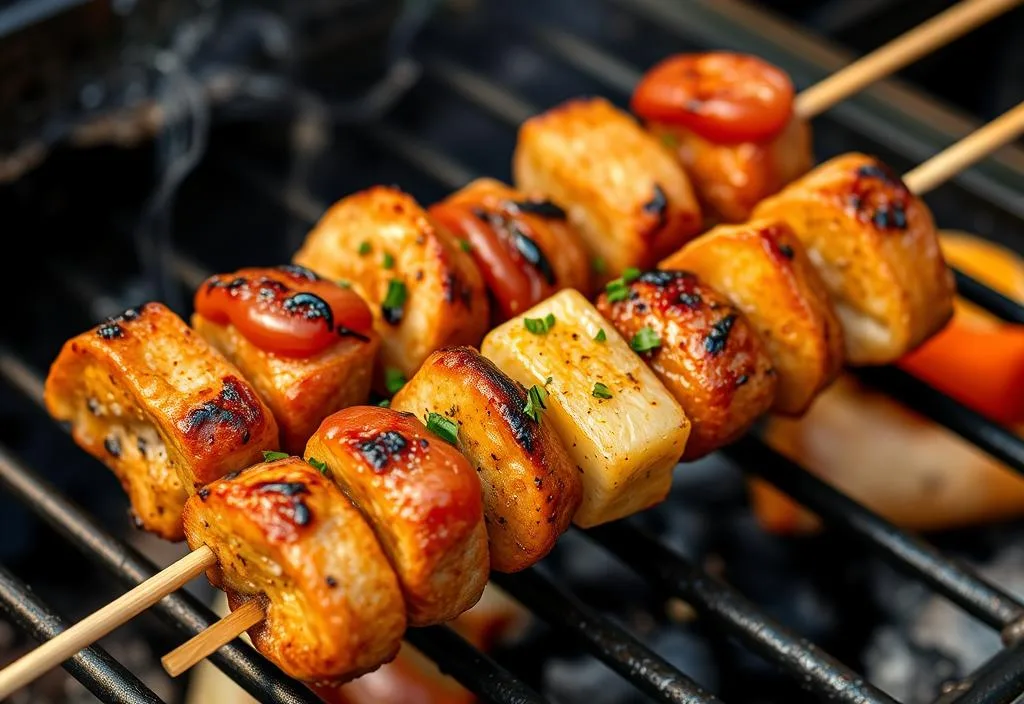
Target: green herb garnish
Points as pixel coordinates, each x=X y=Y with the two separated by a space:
x=535 y=402
x=539 y=326
x=600 y=336
x=272 y=456
x=601 y=391
x=394 y=380
x=364 y=248
x=645 y=340
x=442 y=427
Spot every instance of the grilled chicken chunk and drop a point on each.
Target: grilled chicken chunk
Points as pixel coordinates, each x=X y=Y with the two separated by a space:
x=627 y=195
x=875 y=246
x=423 y=500
x=620 y=426
x=164 y=411
x=731 y=179
x=284 y=533
x=306 y=344
x=702 y=348
x=531 y=486
x=763 y=269
x=524 y=245
x=424 y=291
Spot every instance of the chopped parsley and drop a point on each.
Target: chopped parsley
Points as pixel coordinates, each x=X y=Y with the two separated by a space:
x=600 y=336
x=364 y=248
x=618 y=289
x=535 y=402
x=645 y=340
x=272 y=456
x=598 y=265
x=343 y=283
x=601 y=391
x=393 y=302
x=539 y=326
x=394 y=380
x=389 y=261
x=320 y=465
x=465 y=245
x=386 y=403
x=442 y=427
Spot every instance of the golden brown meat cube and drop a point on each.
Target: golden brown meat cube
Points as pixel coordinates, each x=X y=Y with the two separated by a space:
x=626 y=194
x=763 y=269
x=523 y=244
x=531 y=486
x=702 y=348
x=731 y=179
x=284 y=533
x=423 y=500
x=424 y=291
x=875 y=246
x=163 y=410
x=306 y=344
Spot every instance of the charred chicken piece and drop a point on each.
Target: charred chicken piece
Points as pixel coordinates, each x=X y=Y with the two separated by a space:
x=619 y=424
x=531 y=486
x=306 y=344
x=283 y=532
x=702 y=348
x=149 y=398
x=524 y=245
x=422 y=498
x=763 y=269
x=423 y=290
x=625 y=193
x=875 y=246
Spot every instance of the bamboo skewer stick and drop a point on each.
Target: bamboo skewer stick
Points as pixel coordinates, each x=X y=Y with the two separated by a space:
x=905 y=49
x=201 y=646
x=952 y=160
x=118 y=612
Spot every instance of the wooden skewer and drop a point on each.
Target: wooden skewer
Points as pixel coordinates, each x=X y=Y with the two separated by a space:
x=905 y=49
x=201 y=646
x=118 y=612
x=946 y=164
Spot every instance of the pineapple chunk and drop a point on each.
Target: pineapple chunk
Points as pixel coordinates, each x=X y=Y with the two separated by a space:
x=625 y=446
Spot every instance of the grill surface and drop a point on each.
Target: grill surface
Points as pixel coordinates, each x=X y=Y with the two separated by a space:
x=455 y=124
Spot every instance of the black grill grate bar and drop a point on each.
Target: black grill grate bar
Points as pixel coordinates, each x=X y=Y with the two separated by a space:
x=991 y=437
x=592 y=61
x=959 y=583
x=815 y=669
x=250 y=670
x=998 y=681
x=107 y=679
x=606 y=640
x=477 y=672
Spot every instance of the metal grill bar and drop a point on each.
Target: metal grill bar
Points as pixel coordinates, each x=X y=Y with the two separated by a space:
x=474 y=670
x=958 y=583
x=998 y=681
x=970 y=425
x=249 y=669
x=101 y=674
x=815 y=669
x=610 y=643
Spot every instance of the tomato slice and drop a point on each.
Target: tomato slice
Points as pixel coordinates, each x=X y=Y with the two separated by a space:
x=285 y=310
x=720 y=96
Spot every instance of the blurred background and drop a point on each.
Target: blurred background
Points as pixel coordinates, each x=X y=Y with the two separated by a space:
x=143 y=144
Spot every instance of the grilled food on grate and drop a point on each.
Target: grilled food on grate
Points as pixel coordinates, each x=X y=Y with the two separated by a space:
x=531 y=486
x=319 y=356
x=165 y=412
x=424 y=291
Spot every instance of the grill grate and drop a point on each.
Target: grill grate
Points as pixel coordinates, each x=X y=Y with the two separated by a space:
x=999 y=680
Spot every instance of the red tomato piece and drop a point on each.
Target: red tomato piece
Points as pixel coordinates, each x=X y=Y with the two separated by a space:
x=720 y=96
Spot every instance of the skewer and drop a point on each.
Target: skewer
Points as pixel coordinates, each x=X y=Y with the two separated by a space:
x=95 y=626
x=905 y=49
x=951 y=161
x=201 y=646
